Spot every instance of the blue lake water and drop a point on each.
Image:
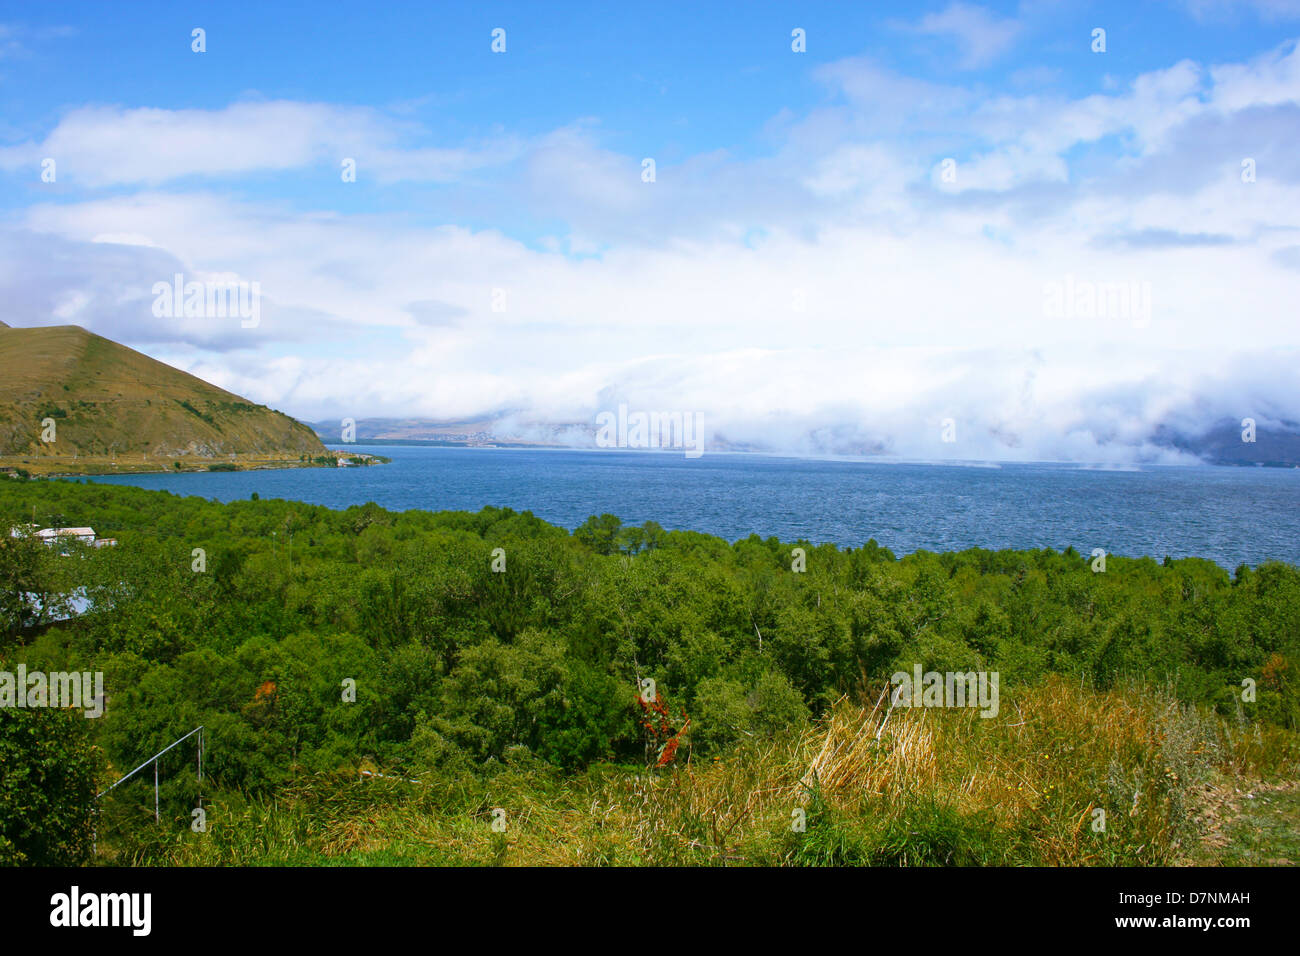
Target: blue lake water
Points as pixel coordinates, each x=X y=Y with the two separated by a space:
x=1230 y=515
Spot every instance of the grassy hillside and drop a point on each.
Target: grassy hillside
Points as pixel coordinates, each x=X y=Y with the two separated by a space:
x=109 y=402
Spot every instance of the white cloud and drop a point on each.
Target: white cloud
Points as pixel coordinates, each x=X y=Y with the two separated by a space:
x=108 y=145
x=830 y=288
x=979 y=35
x=1268 y=80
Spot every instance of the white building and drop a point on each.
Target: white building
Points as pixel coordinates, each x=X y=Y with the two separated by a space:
x=55 y=536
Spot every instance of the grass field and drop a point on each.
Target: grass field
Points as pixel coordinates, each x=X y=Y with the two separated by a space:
x=863 y=786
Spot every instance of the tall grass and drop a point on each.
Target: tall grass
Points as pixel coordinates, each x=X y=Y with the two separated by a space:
x=946 y=786
x=862 y=786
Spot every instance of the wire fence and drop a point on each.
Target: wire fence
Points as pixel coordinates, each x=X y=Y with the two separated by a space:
x=154 y=760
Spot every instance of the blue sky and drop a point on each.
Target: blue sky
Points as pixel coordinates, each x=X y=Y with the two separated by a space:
x=800 y=269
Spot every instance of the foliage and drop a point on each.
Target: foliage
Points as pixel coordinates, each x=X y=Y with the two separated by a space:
x=47 y=788
x=460 y=669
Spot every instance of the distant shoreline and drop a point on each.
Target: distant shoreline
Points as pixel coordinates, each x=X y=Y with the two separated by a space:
x=92 y=468
x=450 y=443
x=54 y=467
x=877 y=459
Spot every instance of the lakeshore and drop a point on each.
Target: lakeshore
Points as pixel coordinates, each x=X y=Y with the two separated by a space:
x=94 y=466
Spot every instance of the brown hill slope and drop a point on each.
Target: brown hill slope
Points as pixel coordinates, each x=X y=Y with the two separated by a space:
x=107 y=400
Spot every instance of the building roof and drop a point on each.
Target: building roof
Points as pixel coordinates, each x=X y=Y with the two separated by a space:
x=77 y=532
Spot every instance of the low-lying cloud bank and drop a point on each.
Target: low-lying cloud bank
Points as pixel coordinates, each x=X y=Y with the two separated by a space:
x=1101 y=278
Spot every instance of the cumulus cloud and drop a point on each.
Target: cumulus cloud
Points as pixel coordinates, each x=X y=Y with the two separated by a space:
x=831 y=296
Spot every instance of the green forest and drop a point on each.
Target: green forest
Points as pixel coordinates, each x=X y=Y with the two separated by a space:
x=457 y=688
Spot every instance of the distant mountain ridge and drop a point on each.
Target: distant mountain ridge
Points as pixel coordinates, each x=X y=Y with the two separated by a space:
x=1276 y=444
x=418 y=430
x=108 y=401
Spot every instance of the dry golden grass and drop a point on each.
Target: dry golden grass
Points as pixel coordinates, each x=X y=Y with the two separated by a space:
x=936 y=786
x=109 y=401
x=1028 y=780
